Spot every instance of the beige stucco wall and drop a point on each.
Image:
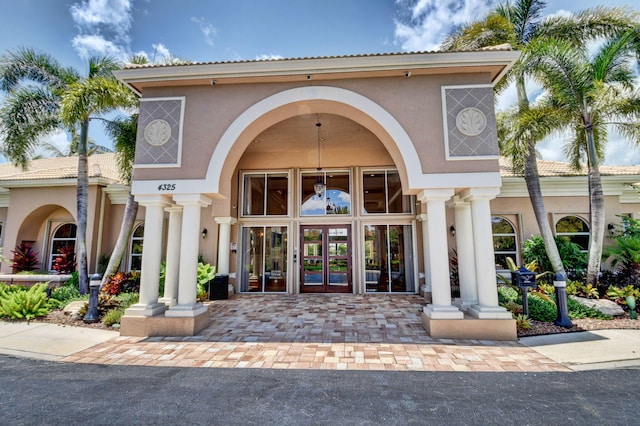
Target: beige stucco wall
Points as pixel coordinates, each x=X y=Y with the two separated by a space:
x=414 y=102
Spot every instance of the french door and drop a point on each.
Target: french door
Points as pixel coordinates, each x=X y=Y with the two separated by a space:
x=325 y=259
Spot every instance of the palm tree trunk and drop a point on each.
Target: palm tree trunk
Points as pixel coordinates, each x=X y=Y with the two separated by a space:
x=130 y=213
x=82 y=206
x=596 y=211
x=532 y=180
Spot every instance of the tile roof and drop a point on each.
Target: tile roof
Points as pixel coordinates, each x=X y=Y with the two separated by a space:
x=500 y=47
x=100 y=165
x=557 y=168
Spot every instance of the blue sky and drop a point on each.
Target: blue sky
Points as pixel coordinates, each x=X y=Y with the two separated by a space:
x=227 y=30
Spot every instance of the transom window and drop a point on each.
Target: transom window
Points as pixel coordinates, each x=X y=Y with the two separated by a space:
x=135 y=252
x=265 y=194
x=335 y=200
x=504 y=242
x=574 y=229
x=382 y=193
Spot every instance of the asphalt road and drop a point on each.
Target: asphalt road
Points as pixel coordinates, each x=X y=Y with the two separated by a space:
x=36 y=392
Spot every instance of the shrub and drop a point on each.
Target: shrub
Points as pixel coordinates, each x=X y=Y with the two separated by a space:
x=570 y=253
x=23 y=303
x=578 y=288
x=206 y=273
x=127 y=299
x=507 y=294
x=541 y=309
x=61 y=296
x=522 y=322
x=577 y=310
x=514 y=307
x=24 y=258
x=65 y=261
x=112 y=317
x=122 y=282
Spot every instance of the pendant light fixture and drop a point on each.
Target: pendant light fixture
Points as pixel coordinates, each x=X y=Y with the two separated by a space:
x=319 y=187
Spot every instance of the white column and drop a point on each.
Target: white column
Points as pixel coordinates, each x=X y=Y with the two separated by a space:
x=487 y=306
x=151 y=257
x=173 y=256
x=465 y=252
x=441 y=308
x=187 y=305
x=425 y=251
x=224 y=238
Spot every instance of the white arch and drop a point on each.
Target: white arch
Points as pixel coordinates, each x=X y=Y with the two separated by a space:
x=324 y=93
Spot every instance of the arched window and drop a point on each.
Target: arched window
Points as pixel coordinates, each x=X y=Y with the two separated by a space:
x=574 y=229
x=505 y=243
x=62 y=242
x=135 y=251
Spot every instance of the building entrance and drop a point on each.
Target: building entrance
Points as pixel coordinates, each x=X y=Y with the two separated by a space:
x=325 y=259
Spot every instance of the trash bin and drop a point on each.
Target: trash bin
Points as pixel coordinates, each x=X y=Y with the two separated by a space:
x=219 y=287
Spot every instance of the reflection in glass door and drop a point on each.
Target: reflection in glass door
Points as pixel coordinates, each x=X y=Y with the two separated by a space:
x=325 y=259
x=264 y=262
x=389 y=264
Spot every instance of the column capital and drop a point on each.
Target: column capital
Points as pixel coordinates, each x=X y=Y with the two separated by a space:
x=153 y=200
x=192 y=199
x=442 y=194
x=173 y=208
x=226 y=220
x=488 y=193
x=456 y=201
x=422 y=217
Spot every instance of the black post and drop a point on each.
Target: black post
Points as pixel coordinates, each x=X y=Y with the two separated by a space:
x=525 y=300
x=93 y=314
x=560 y=283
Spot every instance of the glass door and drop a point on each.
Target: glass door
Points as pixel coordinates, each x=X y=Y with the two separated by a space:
x=325 y=259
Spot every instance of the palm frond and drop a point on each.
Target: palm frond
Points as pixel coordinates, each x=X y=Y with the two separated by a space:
x=25 y=64
x=124 y=132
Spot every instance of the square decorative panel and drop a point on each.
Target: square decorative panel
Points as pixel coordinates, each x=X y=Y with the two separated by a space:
x=469 y=122
x=159 y=138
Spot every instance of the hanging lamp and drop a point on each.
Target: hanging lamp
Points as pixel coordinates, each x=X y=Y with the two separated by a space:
x=319 y=187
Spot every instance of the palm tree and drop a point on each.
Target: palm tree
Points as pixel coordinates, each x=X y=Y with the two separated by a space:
x=59 y=100
x=123 y=132
x=587 y=94
x=519 y=24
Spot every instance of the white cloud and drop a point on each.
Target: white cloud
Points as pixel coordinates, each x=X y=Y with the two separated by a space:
x=427 y=22
x=207 y=29
x=268 y=57
x=103 y=27
x=89 y=45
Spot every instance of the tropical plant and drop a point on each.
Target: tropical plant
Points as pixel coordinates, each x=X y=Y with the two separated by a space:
x=23 y=303
x=24 y=258
x=620 y=294
x=578 y=288
x=122 y=282
x=542 y=309
x=65 y=260
x=577 y=310
x=42 y=97
x=519 y=24
x=572 y=257
x=522 y=322
x=586 y=94
x=206 y=273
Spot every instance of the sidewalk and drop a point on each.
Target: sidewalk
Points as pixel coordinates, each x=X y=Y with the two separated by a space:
x=602 y=349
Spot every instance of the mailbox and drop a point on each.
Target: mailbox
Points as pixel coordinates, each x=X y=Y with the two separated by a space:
x=523 y=278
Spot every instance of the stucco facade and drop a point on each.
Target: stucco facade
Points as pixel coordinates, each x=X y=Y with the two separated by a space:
x=351 y=174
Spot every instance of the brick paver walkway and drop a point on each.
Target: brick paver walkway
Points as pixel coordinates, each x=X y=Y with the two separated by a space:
x=348 y=332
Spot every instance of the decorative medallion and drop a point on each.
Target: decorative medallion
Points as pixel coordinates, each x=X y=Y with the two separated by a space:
x=471 y=121
x=157 y=133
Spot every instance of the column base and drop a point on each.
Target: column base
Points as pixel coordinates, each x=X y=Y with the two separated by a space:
x=141 y=310
x=186 y=311
x=489 y=312
x=161 y=325
x=442 y=312
x=470 y=328
x=463 y=306
x=168 y=302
